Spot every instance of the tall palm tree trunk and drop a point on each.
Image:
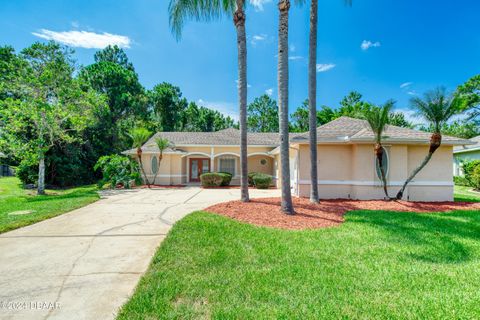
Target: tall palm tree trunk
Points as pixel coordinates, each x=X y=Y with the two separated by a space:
x=312 y=100
x=284 y=6
x=379 y=153
x=139 y=154
x=239 y=20
x=435 y=142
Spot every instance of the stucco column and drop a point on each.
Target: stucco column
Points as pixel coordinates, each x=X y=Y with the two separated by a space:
x=212 y=159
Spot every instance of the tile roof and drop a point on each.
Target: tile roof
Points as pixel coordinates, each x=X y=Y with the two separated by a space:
x=357 y=130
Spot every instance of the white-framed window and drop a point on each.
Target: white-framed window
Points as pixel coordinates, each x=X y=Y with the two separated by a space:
x=227 y=164
x=154 y=165
x=385 y=162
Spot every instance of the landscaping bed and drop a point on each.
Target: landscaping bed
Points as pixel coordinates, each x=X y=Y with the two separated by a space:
x=328 y=213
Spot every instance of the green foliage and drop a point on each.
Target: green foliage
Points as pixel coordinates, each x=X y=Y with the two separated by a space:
x=437 y=107
x=139 y=136
x=262 y=181
x=460 y=181
x=475 y=179
x=167 y=104
x=226 y=178
x=250 y=178
x=118 y=170
x=115 y=55
x=201 y=119
x=211 y=179
x=470 y=92
x=466 y=129
x=469 y=168
x=377 y=118
x=262 y=115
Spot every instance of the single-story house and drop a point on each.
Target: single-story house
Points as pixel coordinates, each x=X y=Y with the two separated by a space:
x=346 y=161
x=465 y=153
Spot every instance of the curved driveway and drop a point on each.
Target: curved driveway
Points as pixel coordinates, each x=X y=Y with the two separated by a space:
x=86 y=263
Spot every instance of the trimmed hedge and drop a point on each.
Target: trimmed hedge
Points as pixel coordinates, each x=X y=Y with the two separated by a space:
x=226 y=178
x=475 y=179
x=211 y=179
x=262 y=181
x=250 y=178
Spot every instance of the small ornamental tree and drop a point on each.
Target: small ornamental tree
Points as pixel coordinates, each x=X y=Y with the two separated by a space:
x=162 y=145
x=139 y=137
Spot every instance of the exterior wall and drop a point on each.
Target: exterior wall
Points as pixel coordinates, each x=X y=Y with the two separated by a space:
x=174 y=168
x=348 y=171
x=458 y=158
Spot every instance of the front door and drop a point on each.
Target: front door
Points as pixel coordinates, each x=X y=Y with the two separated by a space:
x=197 y=167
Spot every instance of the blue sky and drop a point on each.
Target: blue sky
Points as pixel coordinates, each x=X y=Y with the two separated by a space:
x=408 y=46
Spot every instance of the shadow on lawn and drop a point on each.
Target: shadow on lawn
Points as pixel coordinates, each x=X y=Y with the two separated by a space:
x=82 y=193
x=443 y=238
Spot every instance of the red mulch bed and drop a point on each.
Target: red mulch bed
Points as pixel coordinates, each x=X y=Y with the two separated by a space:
x=328 y=213
x=156 y=186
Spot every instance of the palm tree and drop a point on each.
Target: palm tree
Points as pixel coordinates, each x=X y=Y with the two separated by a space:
x=139 y=137
x=312 y=98
x=284 y=7
x=207 y=10
x=377 y=118
x=162 y=145
x=436 y=108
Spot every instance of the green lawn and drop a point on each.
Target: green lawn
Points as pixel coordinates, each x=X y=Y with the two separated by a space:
x=13 y=199
x=376 y=265
x=466 y=194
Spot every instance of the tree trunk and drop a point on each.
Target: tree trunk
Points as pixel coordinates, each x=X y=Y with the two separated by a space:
x=239 y=21
x=379 y=154
x=159 y=162
x=41 y=175
x=139 y=154
x=435 y=142
x=284 y=6
x=312 y=101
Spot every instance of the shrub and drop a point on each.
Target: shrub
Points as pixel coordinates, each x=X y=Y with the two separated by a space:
x=262 y=181
x=118 y=170
x=250 y=178
x=226 y=178
x=475 y=179
x=211 y=179
x=468 y=169
x=461 y=181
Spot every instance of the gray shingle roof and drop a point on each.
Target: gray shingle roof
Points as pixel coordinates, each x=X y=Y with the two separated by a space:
x=466 y=148
x=357 y=130
x=225 y=137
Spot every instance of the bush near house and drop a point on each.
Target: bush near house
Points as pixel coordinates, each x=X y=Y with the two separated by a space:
x=211 y=179
x=118 y=170
x=469 y=169
x=226 y=178
x=250 y=178
x=262 y=181
x=461 y=181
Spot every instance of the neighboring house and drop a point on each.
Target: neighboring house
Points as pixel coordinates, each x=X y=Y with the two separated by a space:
x=346 y=161
x=465 y=153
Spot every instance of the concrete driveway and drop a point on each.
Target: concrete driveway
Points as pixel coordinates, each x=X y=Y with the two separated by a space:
x=86 y=263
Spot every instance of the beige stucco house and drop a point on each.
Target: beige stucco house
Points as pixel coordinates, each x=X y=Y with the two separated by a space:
x=346 y=162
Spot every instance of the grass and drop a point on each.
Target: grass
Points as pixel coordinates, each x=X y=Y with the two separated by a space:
x=377 y=264
x=13 y=198
x=466 y=194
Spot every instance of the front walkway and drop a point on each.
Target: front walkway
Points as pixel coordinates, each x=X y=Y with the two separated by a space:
x=86 y=263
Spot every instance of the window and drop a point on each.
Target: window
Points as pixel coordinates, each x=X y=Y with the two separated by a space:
x=227 y=165
x=154 y=165
x=385 y=162
x=263 y=162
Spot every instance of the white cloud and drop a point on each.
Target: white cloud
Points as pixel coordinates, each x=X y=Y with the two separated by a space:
x=405 y=85
x=323 y=67
x=367 y=44
x=226 y=108
x=258 y=38
x=84 y=39
x=412 y=93
x=295 y=57
x=269 y=91
x=292 y=48
x=258 y=4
